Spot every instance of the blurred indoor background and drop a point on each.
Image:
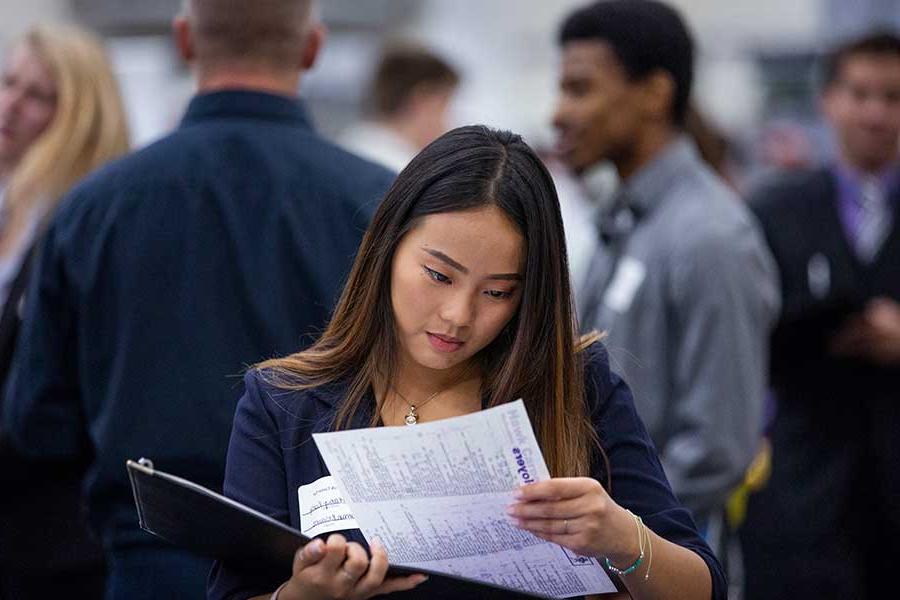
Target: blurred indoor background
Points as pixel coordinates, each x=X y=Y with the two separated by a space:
x=755 y=80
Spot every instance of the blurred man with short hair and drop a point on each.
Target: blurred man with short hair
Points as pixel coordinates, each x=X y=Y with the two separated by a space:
x=168 y=272
x=407 y=106
x=682 y=281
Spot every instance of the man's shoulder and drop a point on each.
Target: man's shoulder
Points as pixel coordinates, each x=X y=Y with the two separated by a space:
x=787 y=192
x=298 y=151
x=705 y=214
x=710 y=232
x=348 y=168
x=202 y=155
x=703 y=189
x=696 y=194
x=150 y=163
x=298 y=154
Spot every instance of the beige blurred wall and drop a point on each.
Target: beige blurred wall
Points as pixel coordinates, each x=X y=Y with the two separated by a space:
x=516 y=87
x=739 y=21
x=506 y=49
x=17 y=15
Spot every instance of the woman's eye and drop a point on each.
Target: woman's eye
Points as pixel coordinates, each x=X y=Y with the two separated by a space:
x=498 y=294
x=439 y=277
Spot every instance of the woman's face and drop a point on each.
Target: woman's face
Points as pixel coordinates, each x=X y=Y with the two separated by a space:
x=27 y=103
x=456 y=281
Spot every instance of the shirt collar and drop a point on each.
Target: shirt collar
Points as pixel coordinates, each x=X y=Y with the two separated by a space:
x=246 y=104
x=849 y=179
x=648 y=185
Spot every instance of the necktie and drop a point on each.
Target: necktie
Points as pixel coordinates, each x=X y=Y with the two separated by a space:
x=875 y=219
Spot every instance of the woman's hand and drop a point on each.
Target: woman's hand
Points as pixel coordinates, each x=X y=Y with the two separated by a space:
x=338 y=569
x=576 y=512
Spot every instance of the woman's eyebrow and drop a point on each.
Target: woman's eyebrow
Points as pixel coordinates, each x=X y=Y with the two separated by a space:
x=459 y=267
x=506 y=276
x=443 y=257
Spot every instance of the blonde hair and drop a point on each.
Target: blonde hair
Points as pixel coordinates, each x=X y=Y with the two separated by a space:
x=88 y=127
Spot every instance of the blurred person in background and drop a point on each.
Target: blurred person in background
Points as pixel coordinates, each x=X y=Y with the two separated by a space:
x=167 y=272
x=785 y=146
x=682 y=280
x=407 y=106
x=581 y=197
x=828 y=524
x=712 y=143
x=61 y=116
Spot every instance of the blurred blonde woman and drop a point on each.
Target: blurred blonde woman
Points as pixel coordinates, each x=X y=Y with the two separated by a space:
x=61 y=116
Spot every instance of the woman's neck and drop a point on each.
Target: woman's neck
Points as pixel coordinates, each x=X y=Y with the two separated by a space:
x=436 y=393
x=413 y=378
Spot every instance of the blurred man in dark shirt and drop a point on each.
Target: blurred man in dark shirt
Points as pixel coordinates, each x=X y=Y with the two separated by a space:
x=165 y=274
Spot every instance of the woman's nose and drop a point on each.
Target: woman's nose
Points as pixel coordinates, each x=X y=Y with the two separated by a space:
x=459 y=309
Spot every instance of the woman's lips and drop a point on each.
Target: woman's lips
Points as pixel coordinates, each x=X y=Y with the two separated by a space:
x=443 y=343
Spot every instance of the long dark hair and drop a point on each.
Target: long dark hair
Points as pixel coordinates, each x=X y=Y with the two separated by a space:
x=536 y=357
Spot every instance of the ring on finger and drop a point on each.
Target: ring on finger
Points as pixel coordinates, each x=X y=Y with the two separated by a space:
x=565 y=526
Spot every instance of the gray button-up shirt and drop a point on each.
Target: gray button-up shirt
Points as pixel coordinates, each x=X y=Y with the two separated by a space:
x=687 y=294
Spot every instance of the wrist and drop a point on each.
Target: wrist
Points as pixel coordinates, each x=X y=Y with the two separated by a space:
x=629 y=548
x=289 y=590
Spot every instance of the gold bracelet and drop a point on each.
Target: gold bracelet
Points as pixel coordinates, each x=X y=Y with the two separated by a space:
x=274 y=595
x=649 y=551
x=639 y=524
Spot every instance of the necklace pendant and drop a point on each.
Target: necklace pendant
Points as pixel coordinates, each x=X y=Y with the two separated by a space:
x=411 y=417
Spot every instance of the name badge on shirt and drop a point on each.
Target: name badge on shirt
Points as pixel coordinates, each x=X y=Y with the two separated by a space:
x=818 y=276
x=627 y=280
x=322 y=508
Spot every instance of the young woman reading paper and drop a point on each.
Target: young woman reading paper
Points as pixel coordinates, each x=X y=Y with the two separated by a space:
x=459 y=300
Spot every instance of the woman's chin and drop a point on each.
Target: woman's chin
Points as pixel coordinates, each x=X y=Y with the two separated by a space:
x=439 y=361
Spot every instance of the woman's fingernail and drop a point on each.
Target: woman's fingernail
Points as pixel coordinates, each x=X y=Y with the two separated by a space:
x=511 y=509
x=376 y=544
x=518 y=494
x=314 y=548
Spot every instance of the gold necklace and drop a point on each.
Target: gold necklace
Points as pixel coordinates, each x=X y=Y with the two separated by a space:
x=412 y=417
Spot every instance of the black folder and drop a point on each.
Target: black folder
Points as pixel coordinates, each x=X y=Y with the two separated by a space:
x=198 y=519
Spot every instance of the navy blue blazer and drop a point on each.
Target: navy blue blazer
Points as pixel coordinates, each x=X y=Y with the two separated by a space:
x=165 y=274
x=272 y=453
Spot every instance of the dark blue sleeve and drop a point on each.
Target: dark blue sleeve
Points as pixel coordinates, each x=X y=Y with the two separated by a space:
x=638 y=482
x=255 y=477
x=42 y=410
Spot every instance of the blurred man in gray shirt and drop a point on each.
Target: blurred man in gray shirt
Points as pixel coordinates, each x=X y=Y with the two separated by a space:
x=682 y=280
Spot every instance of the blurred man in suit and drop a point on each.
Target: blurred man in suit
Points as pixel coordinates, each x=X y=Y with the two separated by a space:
x=828 y=525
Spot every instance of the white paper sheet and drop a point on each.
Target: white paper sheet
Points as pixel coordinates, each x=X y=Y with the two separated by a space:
x=436 y=494
x=322 y=509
